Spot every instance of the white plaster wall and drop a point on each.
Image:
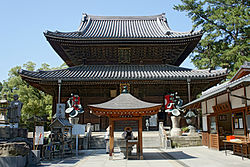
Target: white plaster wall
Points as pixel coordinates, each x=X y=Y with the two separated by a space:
x=204 y=123
x=235 y=101
x=248 y=95
x=222 y=99
x=210 y=104
x=203 y=107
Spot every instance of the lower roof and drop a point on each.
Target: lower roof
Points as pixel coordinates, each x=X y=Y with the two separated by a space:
x=122 y=72
x=222 y=88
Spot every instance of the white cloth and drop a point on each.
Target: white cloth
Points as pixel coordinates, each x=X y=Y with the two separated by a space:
x=106 y=136
x=107 y=145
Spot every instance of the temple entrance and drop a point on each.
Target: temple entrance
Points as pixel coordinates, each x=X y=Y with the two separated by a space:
x=224 y=127
x=213 y=134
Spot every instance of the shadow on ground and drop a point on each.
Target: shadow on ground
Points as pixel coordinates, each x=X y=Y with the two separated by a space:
x=66 y=160
x=71 y=160
x=163 y=155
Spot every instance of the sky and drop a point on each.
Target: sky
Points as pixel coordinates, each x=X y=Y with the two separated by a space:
x=22 y=24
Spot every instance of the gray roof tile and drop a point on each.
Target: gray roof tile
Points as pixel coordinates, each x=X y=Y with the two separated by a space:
x=108 y=27
x=211 y=92
x=125 y=101
x=123 y=72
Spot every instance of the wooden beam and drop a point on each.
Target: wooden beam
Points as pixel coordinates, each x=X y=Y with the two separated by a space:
x=140 y=138
x=125 y=118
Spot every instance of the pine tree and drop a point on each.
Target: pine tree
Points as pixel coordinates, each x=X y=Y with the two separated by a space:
x=225 y=24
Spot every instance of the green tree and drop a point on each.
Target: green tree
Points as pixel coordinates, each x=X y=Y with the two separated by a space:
x=1 y=86
x=226 y=32
x=35 y=101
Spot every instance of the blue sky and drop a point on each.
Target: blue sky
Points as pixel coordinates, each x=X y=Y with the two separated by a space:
x=22 y=24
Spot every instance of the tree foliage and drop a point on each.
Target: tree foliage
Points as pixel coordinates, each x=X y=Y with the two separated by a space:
x=35 y=102
x=226 y=32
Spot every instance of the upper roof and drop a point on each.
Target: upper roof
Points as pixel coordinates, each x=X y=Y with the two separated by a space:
x=123 y=72
x=124 y=27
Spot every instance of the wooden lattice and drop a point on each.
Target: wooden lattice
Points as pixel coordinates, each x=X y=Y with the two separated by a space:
x=222 y=107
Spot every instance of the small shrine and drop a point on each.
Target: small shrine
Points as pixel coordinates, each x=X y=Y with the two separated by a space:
x=61 y=131
x=125 y=107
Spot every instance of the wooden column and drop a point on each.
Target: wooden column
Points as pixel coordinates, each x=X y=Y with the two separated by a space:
x=189 y=89
x=140 y=137
x=245 y=112
x=111 y=137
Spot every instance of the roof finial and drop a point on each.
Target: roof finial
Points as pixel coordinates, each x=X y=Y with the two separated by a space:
x=163 y=15
x=84 y=16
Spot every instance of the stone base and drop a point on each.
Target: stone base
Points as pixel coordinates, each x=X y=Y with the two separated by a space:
x=185 y=141
x=121 y=143
x=14 y=149
x=9 y=133
x=175 y=132
x=36 y=156
x=13 y=161
x=192 y=131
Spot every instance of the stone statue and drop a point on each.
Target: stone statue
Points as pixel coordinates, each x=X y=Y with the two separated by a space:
x=147 y=124
x=14 y=112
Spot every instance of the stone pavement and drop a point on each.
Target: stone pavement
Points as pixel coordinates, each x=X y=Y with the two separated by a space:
x=180 y=157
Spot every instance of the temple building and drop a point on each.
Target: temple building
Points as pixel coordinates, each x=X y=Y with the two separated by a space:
x=108 y=52
x=225 y=110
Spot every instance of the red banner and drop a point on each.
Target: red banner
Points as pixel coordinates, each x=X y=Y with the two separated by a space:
x=76 y=102
x=169 y=102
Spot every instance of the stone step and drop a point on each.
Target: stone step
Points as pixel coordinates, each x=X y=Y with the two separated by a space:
x=151 y=142
x=151 y=139
x=97 y=143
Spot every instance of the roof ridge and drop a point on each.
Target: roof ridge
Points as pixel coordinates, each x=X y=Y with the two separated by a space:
x=174 y=68
x=94 y=17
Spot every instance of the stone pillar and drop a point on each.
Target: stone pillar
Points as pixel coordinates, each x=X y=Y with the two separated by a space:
x=175 y=131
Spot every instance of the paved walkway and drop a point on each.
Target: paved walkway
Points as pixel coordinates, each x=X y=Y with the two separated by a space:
x=180 y=157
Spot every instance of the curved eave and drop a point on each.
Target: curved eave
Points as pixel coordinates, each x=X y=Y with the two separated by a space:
x=51 y=36
x=140 y=79
x=125 y=112
x=122 y=72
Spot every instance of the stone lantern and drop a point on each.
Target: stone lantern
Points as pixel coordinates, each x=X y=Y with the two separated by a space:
x=191 y=120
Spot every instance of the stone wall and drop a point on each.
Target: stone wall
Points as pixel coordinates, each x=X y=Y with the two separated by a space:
x=185 y=141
